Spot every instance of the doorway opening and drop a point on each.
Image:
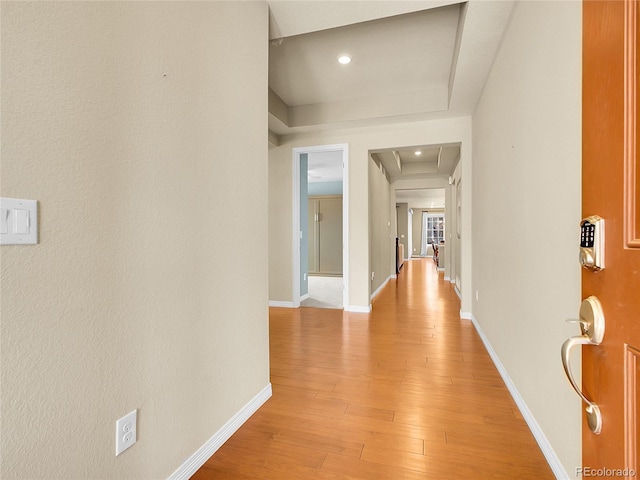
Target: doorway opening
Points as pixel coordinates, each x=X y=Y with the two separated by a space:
x=320 y=226
x=423 y=229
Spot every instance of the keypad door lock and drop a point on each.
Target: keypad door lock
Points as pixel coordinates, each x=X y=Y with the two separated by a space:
x=592 y=243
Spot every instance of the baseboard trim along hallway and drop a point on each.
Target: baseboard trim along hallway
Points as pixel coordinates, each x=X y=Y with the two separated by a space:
x=280 y=304
x=405 y=392
x=379 y=289
x=193 y=463
x=541 y=438
x=358 y=309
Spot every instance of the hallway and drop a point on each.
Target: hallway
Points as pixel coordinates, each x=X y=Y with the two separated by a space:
x=405 y=392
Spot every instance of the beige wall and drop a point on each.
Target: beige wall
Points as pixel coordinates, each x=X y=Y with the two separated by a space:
x=360 y=142
x=141 y=135
x=382 y=240
x=526 y=210
x=455 y=218
x=450 y=227
x=280 y=227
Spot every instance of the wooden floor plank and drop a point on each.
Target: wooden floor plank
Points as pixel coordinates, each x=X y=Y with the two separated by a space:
x=406 y=392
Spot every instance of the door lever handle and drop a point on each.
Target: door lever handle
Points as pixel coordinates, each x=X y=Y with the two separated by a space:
x=594 y=417
x=592 y=329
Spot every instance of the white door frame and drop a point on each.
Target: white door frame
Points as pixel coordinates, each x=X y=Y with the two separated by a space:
x=295 y=251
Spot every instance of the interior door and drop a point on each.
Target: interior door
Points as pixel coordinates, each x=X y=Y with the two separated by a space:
x=325 y=235
x=611 y=179
x=330 y=235
x=313 y=236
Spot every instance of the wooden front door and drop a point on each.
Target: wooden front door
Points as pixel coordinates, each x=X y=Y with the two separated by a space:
x=611 y=189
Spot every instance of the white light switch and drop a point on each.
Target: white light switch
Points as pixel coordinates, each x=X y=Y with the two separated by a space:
x=4 y=220
x=18 y=221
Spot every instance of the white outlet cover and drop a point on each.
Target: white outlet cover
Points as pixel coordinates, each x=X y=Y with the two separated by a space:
x=126 y=431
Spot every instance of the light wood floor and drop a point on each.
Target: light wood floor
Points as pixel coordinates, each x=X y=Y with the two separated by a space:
x=406 y=392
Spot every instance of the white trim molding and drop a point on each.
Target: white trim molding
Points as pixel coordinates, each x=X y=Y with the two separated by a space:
x=547 y=450
x=384 y=284
x=195 y=461
x=280 y=304
x=296 y=230
x=466 y=315
x=344 y=148
x=358 y=309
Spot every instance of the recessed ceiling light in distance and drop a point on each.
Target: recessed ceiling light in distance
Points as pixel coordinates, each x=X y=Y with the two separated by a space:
x=418 y=152
x=344 y=59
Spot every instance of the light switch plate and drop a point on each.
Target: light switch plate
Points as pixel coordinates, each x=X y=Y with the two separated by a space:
x=18 y=222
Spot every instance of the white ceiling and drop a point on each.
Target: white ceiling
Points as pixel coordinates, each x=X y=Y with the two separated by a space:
x=411 y=60
x=406 y=164
x=325 y=167
x=304 y=69
x=288 y=17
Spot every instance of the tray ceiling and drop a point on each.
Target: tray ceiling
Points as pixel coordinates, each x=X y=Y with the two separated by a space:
x=411 y=60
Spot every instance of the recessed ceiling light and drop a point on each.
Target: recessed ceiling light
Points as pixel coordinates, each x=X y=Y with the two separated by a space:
x=418 y=152
x=344 y=59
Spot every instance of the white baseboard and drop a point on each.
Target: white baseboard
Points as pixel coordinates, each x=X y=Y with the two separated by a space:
x=374 y=294
x=304 y=297
x=466 y=315
x=193 y=463
x=281 y=304
x=547 y=450
x=358 y=309
x=447 y=279
x=457 y=292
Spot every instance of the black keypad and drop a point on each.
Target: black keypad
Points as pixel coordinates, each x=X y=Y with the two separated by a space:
x=587 y=235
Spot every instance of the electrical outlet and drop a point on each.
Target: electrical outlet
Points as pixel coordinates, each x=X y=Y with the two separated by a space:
x=477 y=295
x=304 y=276
x=373 y=275
x=126 y=432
